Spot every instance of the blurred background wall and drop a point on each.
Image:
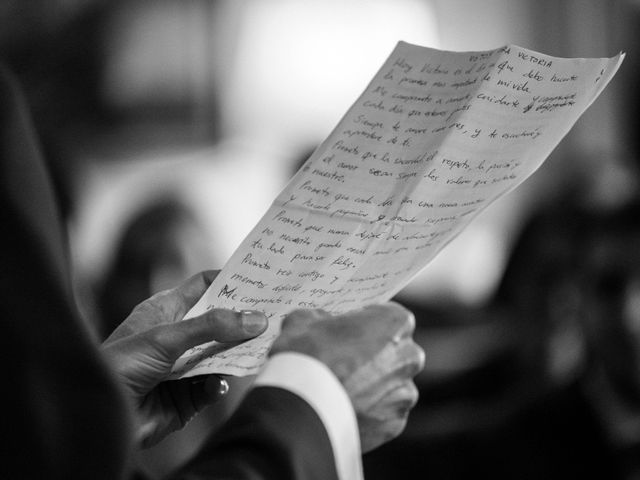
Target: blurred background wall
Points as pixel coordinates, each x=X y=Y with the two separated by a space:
x=201 y=96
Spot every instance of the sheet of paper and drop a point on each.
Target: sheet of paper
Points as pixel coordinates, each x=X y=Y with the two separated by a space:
x=434 y=139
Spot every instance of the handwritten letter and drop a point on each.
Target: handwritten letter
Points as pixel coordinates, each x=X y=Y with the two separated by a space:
x=434 y=139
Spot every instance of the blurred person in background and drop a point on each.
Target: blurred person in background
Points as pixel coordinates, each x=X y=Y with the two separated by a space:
x=571 y=295
x=609 y=311
x=489 y=418
x=161 y=244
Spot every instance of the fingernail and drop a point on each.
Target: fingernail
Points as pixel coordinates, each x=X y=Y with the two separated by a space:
x=253 y=322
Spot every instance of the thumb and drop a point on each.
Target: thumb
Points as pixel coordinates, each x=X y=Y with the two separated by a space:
x=217 y=324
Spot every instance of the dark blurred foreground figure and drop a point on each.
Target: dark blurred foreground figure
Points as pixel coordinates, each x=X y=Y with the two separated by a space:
x=73 y=409
x=572 y=286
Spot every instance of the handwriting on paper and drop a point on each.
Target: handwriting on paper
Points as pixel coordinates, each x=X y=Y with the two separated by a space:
x=433 y=140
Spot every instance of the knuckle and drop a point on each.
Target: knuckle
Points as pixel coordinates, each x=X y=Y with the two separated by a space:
x=160 y=304
x=162 y=340
x=411 y=321
x=412 y=395
x=166 y=335
x=374 y=312
x=319 y=313
x=394 y=315
x=294 y=318
x=301 y=313
x=401 y=398
x=404 y=398
x=144 y=307
x=395 y=428
x=162 y=295
x=297 y=312
x=157 y=336
x=419 y=359
x=407 y=319
x=404 y=317
x=303 y=317
x=410 y=359
x=400 y=309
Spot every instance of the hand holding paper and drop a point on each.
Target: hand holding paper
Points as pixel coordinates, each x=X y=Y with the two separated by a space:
x=434 y=139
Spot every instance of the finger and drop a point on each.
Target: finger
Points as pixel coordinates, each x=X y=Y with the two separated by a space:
x=191 y=395
x=216 y=324
x=380 y=430
x=400 y=321
x=388 y=322
x=164 y=307
x=405 y=318
x=400 y=399
x=403 y=360
x=188 y=396
x=395 y=403
x=208 y=389
x=411 y=358
x=188 y=293
x=298 y=321
x=394 y=365
x=181 y=400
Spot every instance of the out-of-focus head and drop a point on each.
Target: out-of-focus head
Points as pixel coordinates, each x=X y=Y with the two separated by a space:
x=160 y=246
x=611 y=298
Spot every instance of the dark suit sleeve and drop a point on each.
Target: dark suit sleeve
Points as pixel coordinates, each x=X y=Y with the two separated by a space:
x=273 y=435
x=63 y=415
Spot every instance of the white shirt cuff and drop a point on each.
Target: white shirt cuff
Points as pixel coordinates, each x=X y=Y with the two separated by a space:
x=316 y=384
